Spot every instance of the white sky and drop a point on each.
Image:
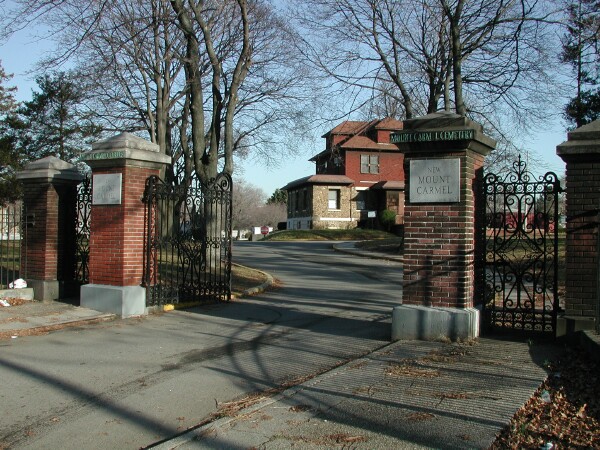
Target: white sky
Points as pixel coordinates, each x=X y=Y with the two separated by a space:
x=21 y=52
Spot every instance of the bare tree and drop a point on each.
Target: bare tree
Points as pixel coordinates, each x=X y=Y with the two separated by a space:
x=481 y=58
x=250 y=208
x=370 y=45
x=244 y=84
x=204 y=79
x=499 y=54
x=247 y=199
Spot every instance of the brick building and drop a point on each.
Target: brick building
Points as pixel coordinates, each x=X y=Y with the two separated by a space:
x=358 y=175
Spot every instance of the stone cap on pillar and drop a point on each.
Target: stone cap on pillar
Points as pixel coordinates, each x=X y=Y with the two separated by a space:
x=443 y=131
x=582 y=142
x=50 y=169
x=125 y=149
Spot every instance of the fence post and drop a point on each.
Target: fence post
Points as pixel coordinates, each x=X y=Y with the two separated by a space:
x=598 y=270
x=581 y=153
x=120 y=167
x=443 y=162
x=50 y=196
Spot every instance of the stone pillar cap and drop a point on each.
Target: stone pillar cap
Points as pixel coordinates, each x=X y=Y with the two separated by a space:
x=589 y=131
x=125 y=140
x=50 y=168
x=582 y=141
x=441 y=119
x=443 y=123
x=116 y=150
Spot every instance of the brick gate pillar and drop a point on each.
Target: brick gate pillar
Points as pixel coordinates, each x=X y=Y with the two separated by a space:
x=581 y=153
x=50 y=199
x=443 y=161
x=120 y=166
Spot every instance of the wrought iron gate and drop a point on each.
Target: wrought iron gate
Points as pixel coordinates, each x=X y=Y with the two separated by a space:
x=521 y=257
x=188 y=241
x=82 y=231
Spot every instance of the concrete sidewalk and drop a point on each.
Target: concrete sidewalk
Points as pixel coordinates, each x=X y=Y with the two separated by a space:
x=410 y=394
x=34 y=317
x=31 y=318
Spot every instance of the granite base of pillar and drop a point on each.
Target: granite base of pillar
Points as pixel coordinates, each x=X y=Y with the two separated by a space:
x=425 y=323
x=124 y=301
x=21 y=294
x=45 y=290
x=566 y=325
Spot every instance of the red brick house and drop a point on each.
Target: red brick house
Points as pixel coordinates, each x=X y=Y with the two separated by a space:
x=358 y=175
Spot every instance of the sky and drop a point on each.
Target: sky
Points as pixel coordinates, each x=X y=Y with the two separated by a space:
x=20 y=53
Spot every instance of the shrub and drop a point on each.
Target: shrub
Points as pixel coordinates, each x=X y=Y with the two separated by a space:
x=387 y=219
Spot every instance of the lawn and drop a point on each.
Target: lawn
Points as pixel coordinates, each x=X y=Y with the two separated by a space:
x=354 y=234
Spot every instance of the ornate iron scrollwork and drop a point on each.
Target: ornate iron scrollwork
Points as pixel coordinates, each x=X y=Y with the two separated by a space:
x=82 y=230
x=521 y=265
x=188 y=241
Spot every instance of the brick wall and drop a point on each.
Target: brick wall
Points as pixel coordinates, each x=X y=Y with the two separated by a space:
x=582 y=204
x=390 y=167
x=117 y=232
x=40 y=254
x=49 y=251
x=440 y=243
x=581 y=152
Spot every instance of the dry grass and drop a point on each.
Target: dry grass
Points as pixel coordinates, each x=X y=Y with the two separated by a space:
x=243 y=278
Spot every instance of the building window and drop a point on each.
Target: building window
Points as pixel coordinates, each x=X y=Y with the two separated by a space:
x=361 y=200
x=292 y=199
x=333 y=199
x=305 y=199
x=369 y=163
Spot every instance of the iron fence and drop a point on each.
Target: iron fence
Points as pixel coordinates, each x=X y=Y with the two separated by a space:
x=82 y=230
x=521 y=251
x=188 y=241
x=11 y=237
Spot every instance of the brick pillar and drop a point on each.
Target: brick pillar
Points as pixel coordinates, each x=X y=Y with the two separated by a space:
x=50 y=199
x=120 y=166
x=443 y=161
x=581 y=153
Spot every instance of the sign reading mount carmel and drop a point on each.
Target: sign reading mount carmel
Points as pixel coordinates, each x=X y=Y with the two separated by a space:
x=434 y=180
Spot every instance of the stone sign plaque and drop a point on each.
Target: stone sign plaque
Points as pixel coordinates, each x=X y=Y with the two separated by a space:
x=106 y=189
x=434 y=180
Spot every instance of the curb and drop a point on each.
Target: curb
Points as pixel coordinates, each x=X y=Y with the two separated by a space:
x=57 y=326
x=234 y=295
x=258 y=289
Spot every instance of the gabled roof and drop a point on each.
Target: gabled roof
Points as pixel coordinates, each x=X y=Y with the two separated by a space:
x=355 y=127
x=349 y=127
x=356 y=135
x=319 y=179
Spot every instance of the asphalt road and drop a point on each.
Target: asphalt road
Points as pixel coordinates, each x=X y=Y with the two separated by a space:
x=130 y=383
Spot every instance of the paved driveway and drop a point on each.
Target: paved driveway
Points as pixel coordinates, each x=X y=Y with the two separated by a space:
x=130 y=383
